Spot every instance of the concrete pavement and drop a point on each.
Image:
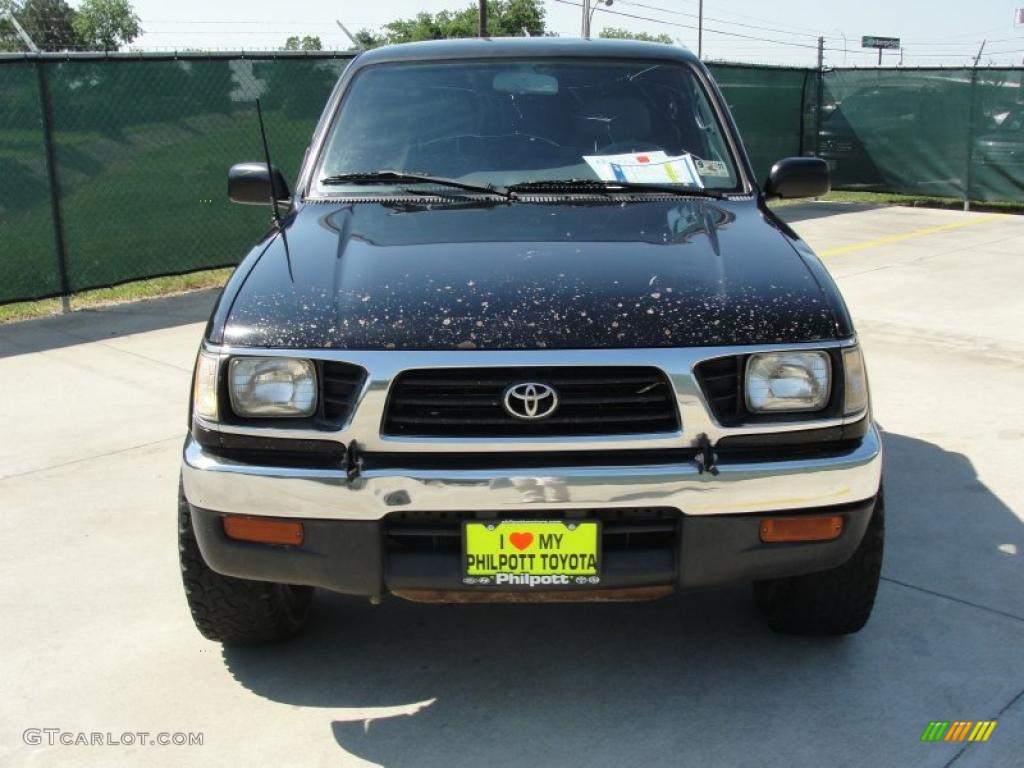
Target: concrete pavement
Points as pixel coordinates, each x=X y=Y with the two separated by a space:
x=97 y=638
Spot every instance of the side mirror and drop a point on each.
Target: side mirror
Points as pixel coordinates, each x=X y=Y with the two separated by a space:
x=249 y=183
x=798 y=177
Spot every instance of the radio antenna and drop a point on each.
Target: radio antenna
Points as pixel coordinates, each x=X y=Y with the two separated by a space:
x=270 y=171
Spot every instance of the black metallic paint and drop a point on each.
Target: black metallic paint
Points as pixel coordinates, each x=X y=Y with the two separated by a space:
x=536 y=273
x=527 y=275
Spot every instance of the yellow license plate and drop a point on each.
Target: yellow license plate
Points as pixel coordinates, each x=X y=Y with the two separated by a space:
x=532 y=554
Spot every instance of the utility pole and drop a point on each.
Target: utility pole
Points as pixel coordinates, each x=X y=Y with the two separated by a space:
x=482 y=12
x=700 y=30
x=969 y=172
x=355 y=41
x=819 y=95
x=585 y=25
x=981 y=50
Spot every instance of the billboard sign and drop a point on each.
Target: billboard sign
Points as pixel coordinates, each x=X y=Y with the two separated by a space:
x=873 y=41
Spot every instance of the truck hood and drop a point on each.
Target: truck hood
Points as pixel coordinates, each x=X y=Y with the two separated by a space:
x=466 y=275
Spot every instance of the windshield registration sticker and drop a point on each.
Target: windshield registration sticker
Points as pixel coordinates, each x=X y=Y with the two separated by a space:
x=711 y=167
x=646 y=168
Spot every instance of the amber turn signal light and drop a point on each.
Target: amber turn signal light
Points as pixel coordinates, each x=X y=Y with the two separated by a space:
x=812 y=528
x=265 y=530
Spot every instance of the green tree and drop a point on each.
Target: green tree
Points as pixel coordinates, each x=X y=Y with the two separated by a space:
x=513 y=16
x=505 y=18
x=107 y=24
x=368 y=39
x=307 y=43
x=624 y=34
x=50 y=24
x=9 y=40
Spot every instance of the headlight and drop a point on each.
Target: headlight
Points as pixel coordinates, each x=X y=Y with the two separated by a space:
x=272 y=386
x=855 y=397
x=788 y=381
x=204 y=387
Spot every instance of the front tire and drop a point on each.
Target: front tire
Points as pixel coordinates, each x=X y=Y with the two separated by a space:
x=833 y=602
x=236 y=611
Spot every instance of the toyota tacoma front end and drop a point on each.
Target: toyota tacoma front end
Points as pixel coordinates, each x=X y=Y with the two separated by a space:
x=528 y=332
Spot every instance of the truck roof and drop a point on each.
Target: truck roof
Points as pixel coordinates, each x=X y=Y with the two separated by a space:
x=525 y=47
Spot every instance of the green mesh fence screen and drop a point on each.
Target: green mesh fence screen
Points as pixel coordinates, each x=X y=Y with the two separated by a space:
x=768 y=106
x=892 y=130
x=949 y=132
x=997 y=131
x=143 y=185
x=141 y=147
x=28 y=261
x=141 y=150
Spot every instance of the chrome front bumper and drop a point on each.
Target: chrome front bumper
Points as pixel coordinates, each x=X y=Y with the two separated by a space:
x=220 y=485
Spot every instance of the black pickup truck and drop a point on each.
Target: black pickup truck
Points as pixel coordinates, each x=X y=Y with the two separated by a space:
x=527 y=331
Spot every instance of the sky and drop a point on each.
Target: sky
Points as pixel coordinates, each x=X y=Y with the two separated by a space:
x=783 y=32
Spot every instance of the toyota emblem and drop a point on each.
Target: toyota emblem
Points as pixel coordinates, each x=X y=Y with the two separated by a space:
x=530 y=400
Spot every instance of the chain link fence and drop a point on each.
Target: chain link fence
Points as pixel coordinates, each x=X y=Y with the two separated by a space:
x=139 y=150
x=113 y=168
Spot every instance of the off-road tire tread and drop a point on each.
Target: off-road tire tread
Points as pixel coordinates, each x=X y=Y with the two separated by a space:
x=833 y=602
x=236 y=611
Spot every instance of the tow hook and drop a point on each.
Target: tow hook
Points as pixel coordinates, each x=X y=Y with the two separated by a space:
x=706 y=457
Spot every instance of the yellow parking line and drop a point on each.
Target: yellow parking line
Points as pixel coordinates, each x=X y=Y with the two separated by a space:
x=908 y=235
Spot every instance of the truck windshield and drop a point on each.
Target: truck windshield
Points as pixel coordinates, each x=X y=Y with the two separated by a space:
x=506 y=123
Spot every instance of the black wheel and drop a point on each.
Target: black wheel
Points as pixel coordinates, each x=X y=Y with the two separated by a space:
x=236 y=611
x=833 y=602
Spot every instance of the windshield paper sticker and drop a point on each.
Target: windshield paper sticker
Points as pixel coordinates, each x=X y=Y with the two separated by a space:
x=711 y=167
x=646 y=168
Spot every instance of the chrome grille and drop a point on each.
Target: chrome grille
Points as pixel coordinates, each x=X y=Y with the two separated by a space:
x=592 y=401
x=339 y=389
x=721 y=380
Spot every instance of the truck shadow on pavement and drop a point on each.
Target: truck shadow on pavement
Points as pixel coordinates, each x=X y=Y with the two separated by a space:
x=806 y=209
x=695 y=679
x=106 y=322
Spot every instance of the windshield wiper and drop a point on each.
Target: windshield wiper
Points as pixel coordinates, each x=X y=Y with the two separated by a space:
x=595 y=185
x=403 y=177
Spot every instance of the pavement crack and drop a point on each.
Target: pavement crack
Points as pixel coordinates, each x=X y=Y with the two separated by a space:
x=955 y=757
x=974 y=247
x=999 y=714
x=868 y=271
x=916 y=261
x=953 y=599
x=88 y=458
x=107 y=345
x=983 y=348
x=1011 y=702
x=104 y=343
